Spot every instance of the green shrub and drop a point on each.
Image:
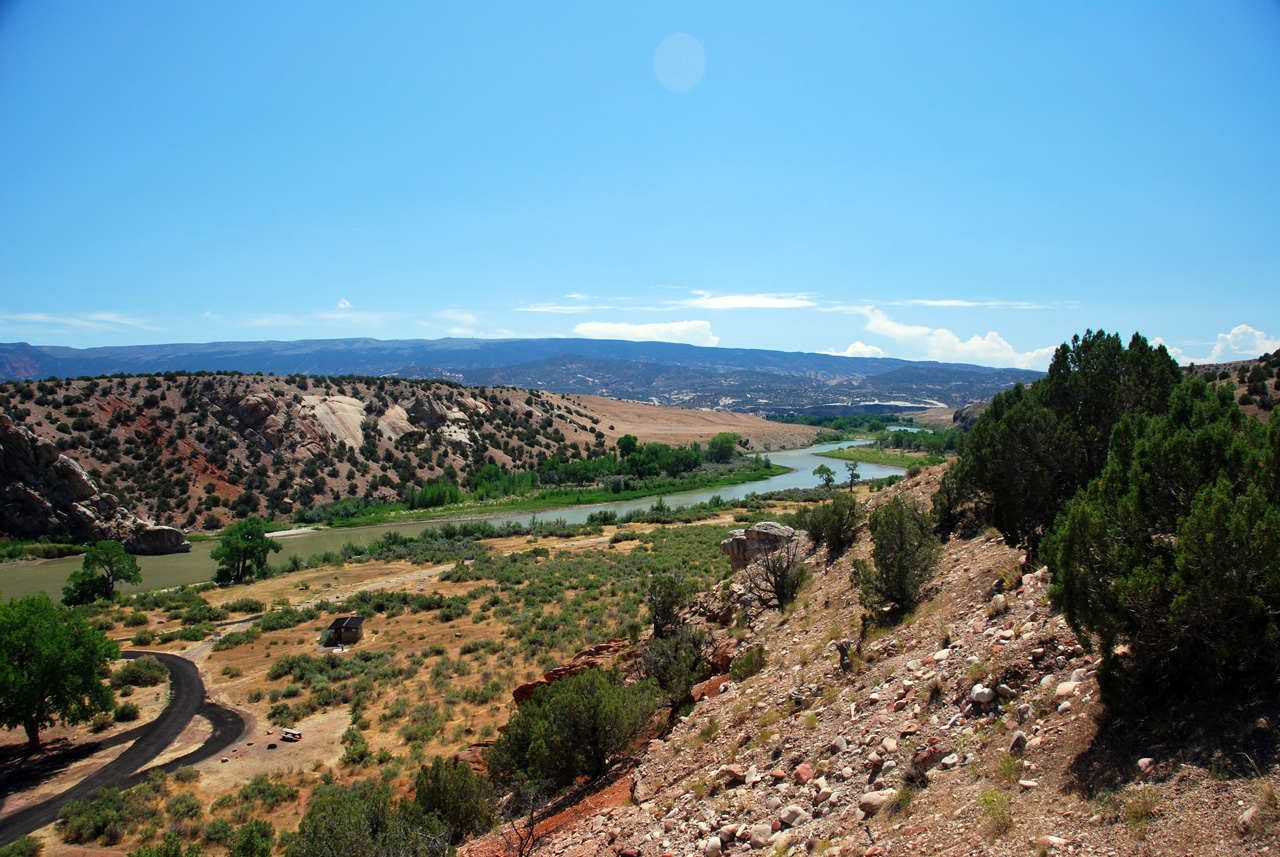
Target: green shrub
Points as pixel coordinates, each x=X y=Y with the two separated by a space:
x=186 y=774
x=23 y=846
x=136 y=620
x=100 y=722
x=170 y=846
x=677 y=662
x=145 y=671
x=145 y=637
x=254 y=695
x=461 y=799
x=834 y=524
x=747 y=664
x=125 y=712
x=184 y=807
x=365 y=819
x=262 y=790
x=218 y=832
x=571 y=728
x=903 y=557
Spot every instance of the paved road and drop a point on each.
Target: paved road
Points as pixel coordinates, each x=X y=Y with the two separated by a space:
x=186 y=700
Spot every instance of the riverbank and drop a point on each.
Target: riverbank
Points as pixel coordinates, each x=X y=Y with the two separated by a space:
x=883 y=458
x=549 y=500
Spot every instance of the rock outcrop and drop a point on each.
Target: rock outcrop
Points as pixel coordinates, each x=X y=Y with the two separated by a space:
x=744 y=547
x=598 y=656
x=46 y=493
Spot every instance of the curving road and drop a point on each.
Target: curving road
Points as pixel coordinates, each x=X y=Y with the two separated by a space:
x=186 y=700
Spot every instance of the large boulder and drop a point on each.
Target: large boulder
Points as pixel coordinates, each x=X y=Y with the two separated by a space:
x=154 y=539
x=744 y=547
x=45 y=493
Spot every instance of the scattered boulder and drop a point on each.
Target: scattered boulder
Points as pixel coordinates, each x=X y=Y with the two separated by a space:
x=872 y=802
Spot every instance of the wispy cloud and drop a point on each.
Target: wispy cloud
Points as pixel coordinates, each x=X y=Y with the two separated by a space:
x=81 y=321
x=938 y=343
x=953 y=303
x=456 y=315
x=1243 y=342
x=710 y=300
x=566 y=309
x=344 y=304
x=689 y=332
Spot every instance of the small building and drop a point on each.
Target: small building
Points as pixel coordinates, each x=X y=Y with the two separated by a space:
x=346 y=630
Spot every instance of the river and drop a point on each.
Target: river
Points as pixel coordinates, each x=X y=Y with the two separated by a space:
x=159 y=572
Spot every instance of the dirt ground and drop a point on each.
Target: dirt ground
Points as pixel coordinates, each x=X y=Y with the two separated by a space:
x=651 y=424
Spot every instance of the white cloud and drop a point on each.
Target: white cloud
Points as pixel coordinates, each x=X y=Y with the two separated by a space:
x=460 y=316
x=344 y=304
x=577 y=296
x=1242 y=343
x=858 y=349
x=938 y=343
x=708 y=300
x=689 y=332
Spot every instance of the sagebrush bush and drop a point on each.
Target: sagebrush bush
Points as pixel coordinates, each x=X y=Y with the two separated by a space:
x=145 y=671
x=125 y=712
x=748 y=663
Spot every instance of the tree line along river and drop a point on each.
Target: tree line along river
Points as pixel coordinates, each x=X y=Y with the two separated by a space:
x=196 y=566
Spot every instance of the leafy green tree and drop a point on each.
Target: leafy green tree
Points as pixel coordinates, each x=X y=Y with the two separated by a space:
x=571 y=728
x=242 y=553
x=903 y=557
x=1170 y=561
x=106 y=564
x=826 y=474
x=851 y=467
x=627 y=445
x=460 y=799
x=52 y=666
x=722 y=446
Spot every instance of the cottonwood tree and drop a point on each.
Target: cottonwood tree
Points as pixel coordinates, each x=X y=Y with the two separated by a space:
x=52 y=665
x=105 y=565
x=242 y=553
x=826 y=474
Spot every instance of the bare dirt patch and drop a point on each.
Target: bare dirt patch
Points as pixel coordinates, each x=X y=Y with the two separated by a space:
x=652 y=423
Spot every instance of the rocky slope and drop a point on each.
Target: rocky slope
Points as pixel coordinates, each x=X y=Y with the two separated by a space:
x=974 y=728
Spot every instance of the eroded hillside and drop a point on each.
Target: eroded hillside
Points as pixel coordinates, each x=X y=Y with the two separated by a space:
x=198 y=450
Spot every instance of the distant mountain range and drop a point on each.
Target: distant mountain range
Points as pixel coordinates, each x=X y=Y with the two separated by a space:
x=738 y=379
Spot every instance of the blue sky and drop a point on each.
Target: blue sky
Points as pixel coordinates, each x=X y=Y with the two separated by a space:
x=964 y=181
